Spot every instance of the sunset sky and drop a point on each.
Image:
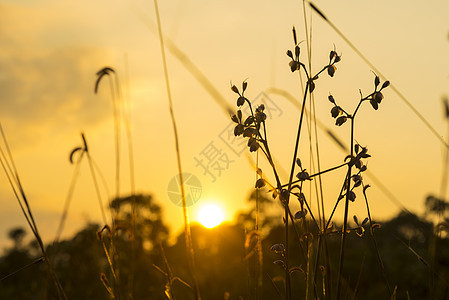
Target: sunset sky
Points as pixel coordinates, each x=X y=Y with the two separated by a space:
x=51 y=50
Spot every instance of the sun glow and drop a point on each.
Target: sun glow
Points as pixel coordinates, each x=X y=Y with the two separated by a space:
x=210 y=215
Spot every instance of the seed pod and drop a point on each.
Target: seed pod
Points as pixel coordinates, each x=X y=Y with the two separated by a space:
x=351 y=196
x=332 y=54
x=290 y=54
x=235 y=89
x=300 y=214
x=340 y=120
x=337 y=59
x=260 y=183
x=378 y=97
x=298 y=162
x=284 y=195
x=386 y=84
x=356 y=220
x=248 y=132
x=376 y=81
x=235 y=119
x=238 y=130
x=303 y=175
x=239 y=115
x=294 y=65
x=297 y=50
x=254 y=146
x=374 y=104
x=244 y=85
x=249 y=121
x=331 y=70
x=331 y=99
x=240 y=101
x=312 y=86
x=335 y=111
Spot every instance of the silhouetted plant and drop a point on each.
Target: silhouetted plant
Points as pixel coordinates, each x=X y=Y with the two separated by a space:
x=253 y=128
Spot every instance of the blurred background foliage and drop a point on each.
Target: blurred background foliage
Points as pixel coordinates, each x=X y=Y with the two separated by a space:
x=414 y=252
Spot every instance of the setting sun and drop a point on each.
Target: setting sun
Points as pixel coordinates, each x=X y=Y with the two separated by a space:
x=210 y=215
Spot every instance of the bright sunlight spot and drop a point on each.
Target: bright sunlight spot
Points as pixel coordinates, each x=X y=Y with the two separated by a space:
x=210 y=215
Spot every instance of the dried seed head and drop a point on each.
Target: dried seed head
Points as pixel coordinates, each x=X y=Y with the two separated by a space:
x=284 y=195
x=254 y=146
x=235 y=89
x=298 y=162
x=297 y=51
x=238 y=130
x=248 y=132
x=341 y=120
x=303 y=175
x=312 y=86
x=301 y=214
x=279 y=263
x=378 y=97
x=249 y=121
x=331 y=99
x=260 y=183
x=351 y=196
x=335 y=111
x=244 y=85
x=290 y=54
x=331 y=70
x=294 y=66
x=386 y=84
x=278 y=248
x=294 y=35
x=376 y=81
x=241 y=101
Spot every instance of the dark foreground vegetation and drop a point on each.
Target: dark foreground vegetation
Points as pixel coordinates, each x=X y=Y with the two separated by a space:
x=416 y=260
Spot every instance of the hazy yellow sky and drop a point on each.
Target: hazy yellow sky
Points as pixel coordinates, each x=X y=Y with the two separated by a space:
x=50 y=51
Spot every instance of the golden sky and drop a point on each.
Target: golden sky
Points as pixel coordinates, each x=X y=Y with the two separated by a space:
x=50 y=51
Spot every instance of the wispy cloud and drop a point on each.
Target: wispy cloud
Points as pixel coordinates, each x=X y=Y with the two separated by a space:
x=44 y=85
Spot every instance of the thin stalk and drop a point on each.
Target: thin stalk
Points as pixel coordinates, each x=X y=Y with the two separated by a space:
x=21 y=198
x=336 y=203
x=188 y=237
x=287 y=273
x=94 y=178
x=379 y=258
x=345 y=222
x=68 y=198
x=320 y=173
x=35 y=262
x=127 y=120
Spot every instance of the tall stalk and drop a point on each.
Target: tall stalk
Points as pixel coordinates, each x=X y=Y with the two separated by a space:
x=188 y=236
